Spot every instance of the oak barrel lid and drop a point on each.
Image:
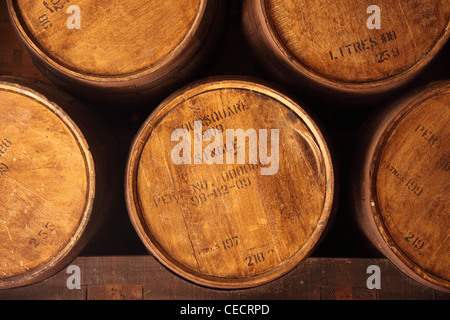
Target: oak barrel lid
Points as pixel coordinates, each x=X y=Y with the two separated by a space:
x=330 y=42
x=410 y=185
x=230 y=225
x=47 y=185
x=117 y=41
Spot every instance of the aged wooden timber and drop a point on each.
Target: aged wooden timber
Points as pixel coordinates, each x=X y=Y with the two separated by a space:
x=218 y=219
x=401 y=185
x=56 y=180
x=143 y=277
x=14 y=61
x=348 y=49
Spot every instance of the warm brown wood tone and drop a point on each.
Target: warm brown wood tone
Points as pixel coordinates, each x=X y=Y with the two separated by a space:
x=228 y=225
x=328 y=47
x=143 y=277
x=14 y=61
x=126 y=50
x=114 y=292
x=52 y=194
x=402 y=187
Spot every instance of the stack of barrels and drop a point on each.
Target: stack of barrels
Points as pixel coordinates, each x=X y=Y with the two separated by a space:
x=230 y=180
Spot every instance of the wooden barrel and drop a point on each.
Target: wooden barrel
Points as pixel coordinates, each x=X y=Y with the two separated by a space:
x=401 y=185
x=118 y=51
x=53 y=194
x=230 y=183
x=14 y=61
x=337 y=48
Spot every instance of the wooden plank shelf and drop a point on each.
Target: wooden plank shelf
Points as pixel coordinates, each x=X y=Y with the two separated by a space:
x=116 y=264
x=142 y=277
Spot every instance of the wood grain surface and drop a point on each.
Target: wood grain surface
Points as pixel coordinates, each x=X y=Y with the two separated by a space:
x=116 y=264
x=144 y=278
x=329 y=47
x=48 y=183
x=229 y=224
x=119 y=48
x=53 y=194
x=14 y=60
x=403 y=198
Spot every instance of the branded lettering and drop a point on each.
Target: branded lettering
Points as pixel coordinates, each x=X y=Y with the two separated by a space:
x=214 y=152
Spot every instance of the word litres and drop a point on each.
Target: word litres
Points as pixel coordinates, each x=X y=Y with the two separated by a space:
x=411 y=183
x=366 y=45
x=214 y=152
x=227 y=244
